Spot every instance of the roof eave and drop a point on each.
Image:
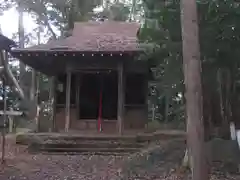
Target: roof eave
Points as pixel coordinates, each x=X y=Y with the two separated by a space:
x=75 y=51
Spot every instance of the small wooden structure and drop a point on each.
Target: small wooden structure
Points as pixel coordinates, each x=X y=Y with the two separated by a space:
x=100 y=84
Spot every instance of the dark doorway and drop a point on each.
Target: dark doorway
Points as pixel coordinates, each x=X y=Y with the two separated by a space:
x=135 y=89
x=92 y=85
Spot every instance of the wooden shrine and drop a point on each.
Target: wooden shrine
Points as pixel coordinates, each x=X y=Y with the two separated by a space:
x=99 y=82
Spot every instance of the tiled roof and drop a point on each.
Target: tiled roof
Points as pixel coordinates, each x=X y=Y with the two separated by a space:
x=96 y=36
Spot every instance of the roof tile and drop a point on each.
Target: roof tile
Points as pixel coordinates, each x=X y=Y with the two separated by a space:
x=96 y=36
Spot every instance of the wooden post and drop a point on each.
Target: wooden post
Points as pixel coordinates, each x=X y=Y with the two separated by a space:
x=33 y=86
x=68 y=103
x=4 y=121
x=10 y=119
x=52 y=98
x=153 y=112
x=78 y=95
x=50 y=103
x=192 y=78
x=120 y=98
x=166 y=107
x=11 y=122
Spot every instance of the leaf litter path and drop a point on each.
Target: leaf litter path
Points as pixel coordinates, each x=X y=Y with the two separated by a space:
x=161 y=161
x=155 y=164
x=61 y=168
x=23 y=166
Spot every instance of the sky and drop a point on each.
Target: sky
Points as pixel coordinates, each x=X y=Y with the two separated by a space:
x=9 y=22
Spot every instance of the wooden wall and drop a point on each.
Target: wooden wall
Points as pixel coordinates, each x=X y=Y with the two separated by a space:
x=134 y=115
x=134 y=118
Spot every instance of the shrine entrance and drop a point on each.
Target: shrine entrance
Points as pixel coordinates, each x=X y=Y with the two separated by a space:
x=98 y=96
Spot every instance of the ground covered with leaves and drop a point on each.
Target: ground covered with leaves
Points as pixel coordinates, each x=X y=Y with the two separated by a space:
x=158 y=162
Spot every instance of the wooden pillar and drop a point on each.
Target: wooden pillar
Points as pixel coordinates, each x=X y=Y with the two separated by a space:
x=11 y=122
x=4 y=119
x=120 y=98
x=54 y=103
x=78 y=95
x=68 y=103
x=167 y=99
x=51 y=103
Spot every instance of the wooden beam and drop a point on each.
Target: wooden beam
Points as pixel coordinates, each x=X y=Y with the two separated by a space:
x=68 y=98
x=92 y=65
x=96 y=71
x=120 y=98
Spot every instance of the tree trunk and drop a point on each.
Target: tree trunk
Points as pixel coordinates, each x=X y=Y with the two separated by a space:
x=133 y=11
x=224 y=89
x=21 y=37
x=207 y=108
x=192 y=75
x=34 y=74
x=10 y=75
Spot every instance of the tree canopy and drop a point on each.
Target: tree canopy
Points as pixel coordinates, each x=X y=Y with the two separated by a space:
x=219 y=41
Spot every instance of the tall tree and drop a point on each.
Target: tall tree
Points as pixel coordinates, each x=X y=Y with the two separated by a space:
x=133 y=10
x=21 y=40
x=192 y=76
x=219 y=39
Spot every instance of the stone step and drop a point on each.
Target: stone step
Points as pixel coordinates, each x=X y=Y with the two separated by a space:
x=90 y=145
x=87 y=153
x=28 y=138
x=86 y=141
x=94 y=138
x=88 y=150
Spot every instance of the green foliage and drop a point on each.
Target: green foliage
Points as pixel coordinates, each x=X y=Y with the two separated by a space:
x=4 y=5
x=60 y=14
x=219 y=41
x=219 y=31
x=162 y=30
x=121 y=11
x=117 y=12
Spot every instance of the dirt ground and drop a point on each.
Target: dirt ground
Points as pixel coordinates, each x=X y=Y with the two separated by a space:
x=20 y=165
x=152 y=164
